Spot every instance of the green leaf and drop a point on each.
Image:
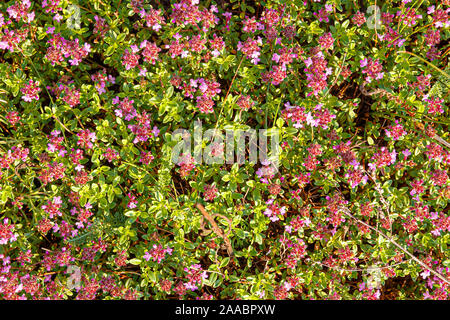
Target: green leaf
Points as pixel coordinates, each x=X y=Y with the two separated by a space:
x=224 y=262
x=140 y=187
x=111 y=194
x=109 y=51
x=121 y=37
x=135 y=261
x=258 y=238
x=169 y=92
x=291 y=131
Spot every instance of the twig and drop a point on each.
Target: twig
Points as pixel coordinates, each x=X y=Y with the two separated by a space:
x=359 y=269
x=395 y=243
x=216 y=228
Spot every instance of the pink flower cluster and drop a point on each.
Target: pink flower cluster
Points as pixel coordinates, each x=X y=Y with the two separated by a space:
x=359 y=19
x=100 y=27
x=372 y=68
x=334 y=205
x=153 y=18
x=11 y=39
x=392 y=38
x=52 y=207
x=326 y=41
x=61 y=48
x=250 y=25
x=86 y=139
x=323 y=13
x=206 y=91
x=322 y=117
x=195 y=275
x=13 y=117
x=435 y=105
x=132 y=202
x=294 y=113
x=176 y=48
x=146 y=158
x=316 y=71
x=157 y=253
x=433 y=37
x=62 y=257
x=439 y=177
x=7 y=232
x=297 y=223
x=274 y=211
x=396 y=131
x=383 y=158
x=276 y=75
x=369 y=293
x=31 y=91
x=150 y=52
x=143 y=129
x=295 y=251
x=76 y=156
x=54 y=172
x=102 y=79
x=15 y=153
x=436 y=152
x=67 y=91
x=55 y=143
x=267 y=171
x=19 y=11
x=217 y=44
x=187 y=164
x=250 y=48
x=52 y=6
x=284 y=56
x=125 y=108
x=210 y=192
x=130 y=58
x=111 y=154
x=409 y=16
x=245 y=102
x=186 y=12
x=356 y=176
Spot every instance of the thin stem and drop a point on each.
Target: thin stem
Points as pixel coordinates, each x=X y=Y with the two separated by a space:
x=395 y=243
x=428 y=63
x=226 y=96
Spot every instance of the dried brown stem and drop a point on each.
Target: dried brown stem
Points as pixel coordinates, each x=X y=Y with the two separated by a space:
x=216 y=228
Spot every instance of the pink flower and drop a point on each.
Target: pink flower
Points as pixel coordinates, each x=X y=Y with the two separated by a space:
x=31 y=91
x=195 y=275
x=395 y=132
x=157 y=253
x=210 y=193
x=359 y=19
x=132 y=203
x=273 y=211
x=86 y=138
x=130 y=59
x=6 y=232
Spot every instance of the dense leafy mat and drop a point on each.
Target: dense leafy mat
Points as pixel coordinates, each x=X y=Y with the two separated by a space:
x=93 y=207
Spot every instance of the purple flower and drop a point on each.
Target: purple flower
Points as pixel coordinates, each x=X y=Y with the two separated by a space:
x=147 y=256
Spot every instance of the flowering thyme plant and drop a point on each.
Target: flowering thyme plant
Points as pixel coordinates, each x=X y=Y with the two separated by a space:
x=93 y=207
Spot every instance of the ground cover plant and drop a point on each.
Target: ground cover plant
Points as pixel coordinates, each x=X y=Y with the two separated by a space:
x=92 y=205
